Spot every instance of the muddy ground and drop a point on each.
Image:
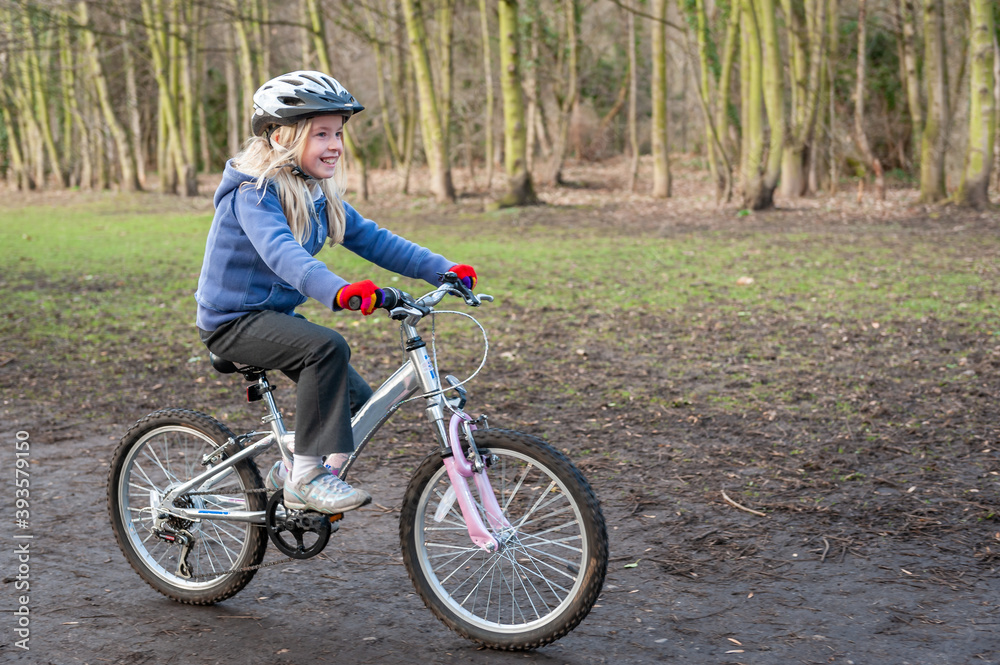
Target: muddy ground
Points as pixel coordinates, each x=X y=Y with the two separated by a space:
x=879 y=481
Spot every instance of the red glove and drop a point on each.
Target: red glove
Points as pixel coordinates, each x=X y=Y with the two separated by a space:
x=361 y=297
x=465 y=273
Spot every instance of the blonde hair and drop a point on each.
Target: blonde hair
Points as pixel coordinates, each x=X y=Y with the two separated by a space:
x=268 y=160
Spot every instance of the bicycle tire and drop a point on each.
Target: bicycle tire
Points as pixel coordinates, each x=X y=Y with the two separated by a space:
x=162 y=450
x=451 y=574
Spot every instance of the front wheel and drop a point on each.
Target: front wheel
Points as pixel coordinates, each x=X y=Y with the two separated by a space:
x=189 y=561
x=550 y=567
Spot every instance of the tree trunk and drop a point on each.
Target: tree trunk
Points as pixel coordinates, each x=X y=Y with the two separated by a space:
x=446 y=25
x=434 y=135
x=974 y=190
x=660 y=95
x=705 y=93
x=833 y=37
x=262 y=19
x=171 y=163
x=752 y=95
x=67 y=84
x=860 y=137
x=996 y=103
x=126 y=159
x=234 y=119
x=186 y=29
x=808 y=52
x=412 y=120
x=531 y=82
x=571 y=95
x=39 y=92
x=773 y=101
x=402 y=85
x=245 y=54
x=488 y=84
x=907 y=19
x=376 y=44
x=132 y=102
x=633 y=94
x=937 y=123
x=521 y=190
x=18 y=174
x=722 y=111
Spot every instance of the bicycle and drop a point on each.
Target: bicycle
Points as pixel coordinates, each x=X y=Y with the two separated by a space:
x=516 y=568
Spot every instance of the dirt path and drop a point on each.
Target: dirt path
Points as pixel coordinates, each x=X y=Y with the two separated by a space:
x=788 y=599
x=872 y=445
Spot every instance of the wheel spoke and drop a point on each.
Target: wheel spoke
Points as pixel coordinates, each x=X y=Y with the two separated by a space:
x=516 y=488
x=151 y=455
x=515 y=569
x=142 y=471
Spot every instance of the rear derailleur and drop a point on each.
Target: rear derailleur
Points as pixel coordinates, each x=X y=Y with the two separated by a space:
x=287 y=529
x=182 y=537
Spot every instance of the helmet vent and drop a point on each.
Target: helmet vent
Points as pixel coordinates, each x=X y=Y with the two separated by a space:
x=291 y=101
x=314 y=80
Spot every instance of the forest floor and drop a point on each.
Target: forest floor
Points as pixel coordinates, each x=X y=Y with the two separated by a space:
x=860 y=420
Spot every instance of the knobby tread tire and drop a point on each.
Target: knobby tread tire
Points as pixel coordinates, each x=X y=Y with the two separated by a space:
x=596 y=567
x=229 y=585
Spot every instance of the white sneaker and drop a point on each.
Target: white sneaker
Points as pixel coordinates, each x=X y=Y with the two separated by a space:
x=323 y=492
x=276 y=476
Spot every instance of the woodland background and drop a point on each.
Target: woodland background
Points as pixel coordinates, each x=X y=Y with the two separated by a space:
x=792 y=97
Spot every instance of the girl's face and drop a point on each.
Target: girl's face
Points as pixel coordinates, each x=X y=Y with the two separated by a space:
x=324 y=146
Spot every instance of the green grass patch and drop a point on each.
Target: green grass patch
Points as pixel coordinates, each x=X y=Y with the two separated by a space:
x=85 y=274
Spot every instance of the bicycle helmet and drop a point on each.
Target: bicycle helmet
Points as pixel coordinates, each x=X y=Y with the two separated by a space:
x=286 y=99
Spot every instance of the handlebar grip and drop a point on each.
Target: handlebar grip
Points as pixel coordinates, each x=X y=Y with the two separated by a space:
x=386 y=298
x=390 y=298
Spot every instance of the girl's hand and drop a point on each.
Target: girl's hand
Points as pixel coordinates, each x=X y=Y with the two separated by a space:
x=465 y=273
x=361 y=297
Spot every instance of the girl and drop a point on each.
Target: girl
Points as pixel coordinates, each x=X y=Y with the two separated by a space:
x=277 y=203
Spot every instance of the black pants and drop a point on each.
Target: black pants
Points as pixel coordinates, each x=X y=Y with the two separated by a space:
x=316 y=358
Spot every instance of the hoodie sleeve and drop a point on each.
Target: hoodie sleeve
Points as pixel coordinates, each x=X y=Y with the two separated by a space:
x=390 y=251
x=264 y=222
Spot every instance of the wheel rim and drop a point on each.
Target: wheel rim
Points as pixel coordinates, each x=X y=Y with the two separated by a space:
x=538 y=570
x=161 y=460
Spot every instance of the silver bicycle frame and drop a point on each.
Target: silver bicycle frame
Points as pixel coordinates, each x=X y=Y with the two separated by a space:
x=415 y=375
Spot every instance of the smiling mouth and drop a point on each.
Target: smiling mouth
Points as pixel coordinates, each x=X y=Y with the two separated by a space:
x=329 y=161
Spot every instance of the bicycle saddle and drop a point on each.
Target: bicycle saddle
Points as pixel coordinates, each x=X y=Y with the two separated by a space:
x=221 y=365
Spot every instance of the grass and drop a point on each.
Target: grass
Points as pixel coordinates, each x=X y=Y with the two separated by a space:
x=118 y=262
x=106 y=278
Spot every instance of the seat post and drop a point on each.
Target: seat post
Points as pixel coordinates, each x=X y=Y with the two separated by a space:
x=273 y=417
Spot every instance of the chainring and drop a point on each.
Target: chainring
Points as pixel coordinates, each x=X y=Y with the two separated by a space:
x=288 y=530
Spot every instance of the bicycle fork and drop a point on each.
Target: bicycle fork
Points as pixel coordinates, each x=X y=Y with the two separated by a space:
x=459 y=469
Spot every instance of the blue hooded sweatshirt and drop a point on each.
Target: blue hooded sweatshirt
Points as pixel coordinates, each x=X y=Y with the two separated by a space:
x=253 y=262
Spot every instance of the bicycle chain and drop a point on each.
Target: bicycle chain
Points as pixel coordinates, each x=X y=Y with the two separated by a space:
x=244 y=569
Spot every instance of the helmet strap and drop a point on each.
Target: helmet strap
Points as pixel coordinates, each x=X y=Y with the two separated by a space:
x=297 y=170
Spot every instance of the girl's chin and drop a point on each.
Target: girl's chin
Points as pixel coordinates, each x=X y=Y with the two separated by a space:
x=323 y=171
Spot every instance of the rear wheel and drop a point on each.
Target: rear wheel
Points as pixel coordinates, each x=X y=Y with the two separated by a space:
x=550 y=567
x=158 y=453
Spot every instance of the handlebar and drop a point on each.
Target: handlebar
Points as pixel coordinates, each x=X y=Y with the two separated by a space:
x=402 y=305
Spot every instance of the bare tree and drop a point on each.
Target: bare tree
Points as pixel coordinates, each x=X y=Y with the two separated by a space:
x=860 y=137
x=974 y=189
